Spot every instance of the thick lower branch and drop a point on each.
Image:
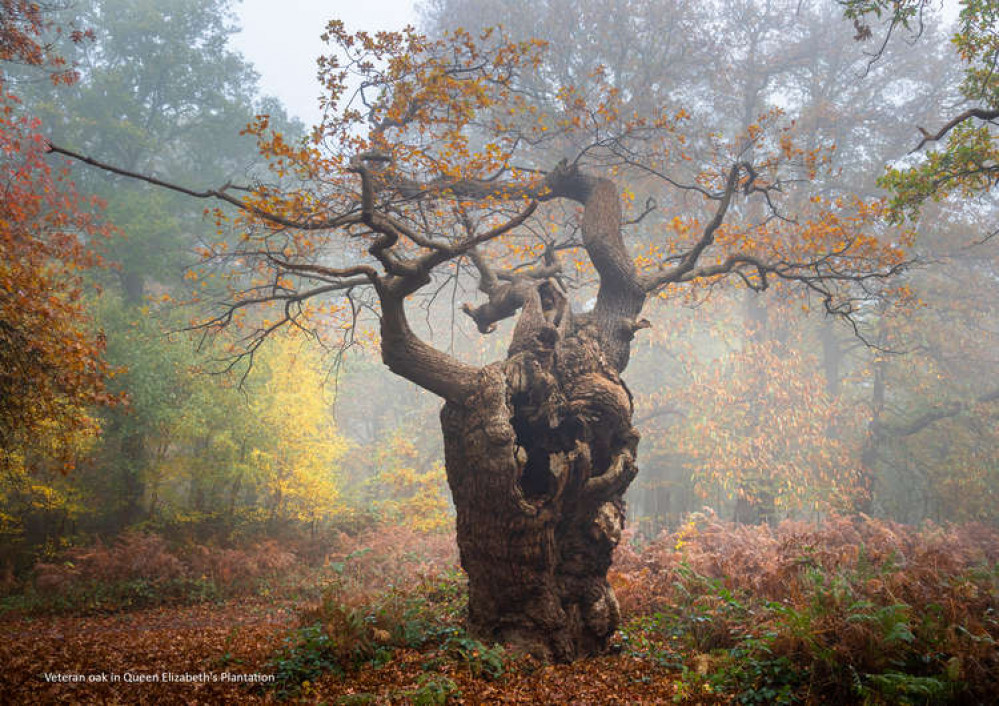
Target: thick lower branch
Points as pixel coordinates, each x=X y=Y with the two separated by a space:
x=621 y=296
x=938 y=413
x=983 y=114
x=409 y=357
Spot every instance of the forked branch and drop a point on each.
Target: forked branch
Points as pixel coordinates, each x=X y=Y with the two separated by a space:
x=982 y=114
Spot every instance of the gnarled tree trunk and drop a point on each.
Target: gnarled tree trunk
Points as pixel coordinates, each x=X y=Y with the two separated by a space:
x=539 y=448
x=538 y=457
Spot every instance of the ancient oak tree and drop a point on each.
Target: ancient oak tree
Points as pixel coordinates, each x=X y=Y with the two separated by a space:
x=448 y=161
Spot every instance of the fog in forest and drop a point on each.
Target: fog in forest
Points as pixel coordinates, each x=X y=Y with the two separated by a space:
x=733 y=265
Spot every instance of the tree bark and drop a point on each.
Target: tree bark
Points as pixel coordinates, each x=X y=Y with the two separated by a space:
x=538 y=457
x=539 y=448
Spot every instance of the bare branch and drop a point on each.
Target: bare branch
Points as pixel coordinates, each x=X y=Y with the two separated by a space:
x=979 y=113
x=936 y=414
x=651 y=283
x=650 y=206
x=327 y=273
x=216 y=194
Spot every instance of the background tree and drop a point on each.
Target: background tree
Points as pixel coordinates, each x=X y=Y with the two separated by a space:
x=159 y=89
x=966 y=162
x=52 y=373
x=218 y=459
x=296 y=457
x=943 y=183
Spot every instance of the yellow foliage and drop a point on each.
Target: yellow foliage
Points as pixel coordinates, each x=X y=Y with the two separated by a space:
x=417 y=499
x=296 y=456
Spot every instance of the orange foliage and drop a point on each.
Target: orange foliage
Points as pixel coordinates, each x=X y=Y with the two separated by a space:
x=850 y=595
x=762 y=428
x=49 y=357
x=453 y=135
x=50 y=364
x=769 y=561
x=22 y=25
x=392 y=555
x=149 y=558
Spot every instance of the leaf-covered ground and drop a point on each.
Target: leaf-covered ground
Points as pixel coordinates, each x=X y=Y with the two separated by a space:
x=854 y=610
x=233 y=637
x=241 y=638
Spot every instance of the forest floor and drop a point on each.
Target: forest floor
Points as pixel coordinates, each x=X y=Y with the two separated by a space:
x=213 y=641
x=853 y=611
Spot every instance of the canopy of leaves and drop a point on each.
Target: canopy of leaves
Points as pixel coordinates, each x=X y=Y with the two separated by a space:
x=50 y=357
x=453 y=151
x=25 y=28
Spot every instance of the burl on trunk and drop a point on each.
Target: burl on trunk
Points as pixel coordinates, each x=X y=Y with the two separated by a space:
x=538 y=457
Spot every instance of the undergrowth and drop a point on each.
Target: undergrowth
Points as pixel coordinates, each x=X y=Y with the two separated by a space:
x=141 y=570
x=856 y=610
x=349 y=629
x=852 y=610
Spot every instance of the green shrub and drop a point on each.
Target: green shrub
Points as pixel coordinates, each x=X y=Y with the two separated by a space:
x=431 y=690
x=478 y=659
x=307 y=654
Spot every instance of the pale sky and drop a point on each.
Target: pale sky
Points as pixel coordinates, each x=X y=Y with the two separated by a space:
x=281 y=39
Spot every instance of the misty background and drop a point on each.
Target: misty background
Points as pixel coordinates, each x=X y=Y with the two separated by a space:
x=757 y=405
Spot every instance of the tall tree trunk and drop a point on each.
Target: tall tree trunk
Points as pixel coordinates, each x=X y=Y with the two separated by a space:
x=133 y=284
x=538 y=458
x=131 y=486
